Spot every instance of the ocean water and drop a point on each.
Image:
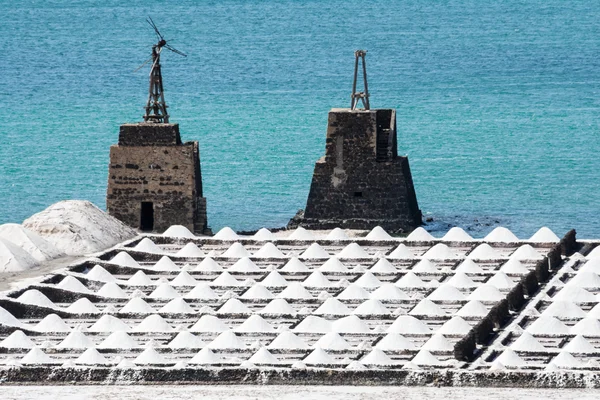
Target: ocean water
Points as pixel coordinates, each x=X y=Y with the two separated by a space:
x=497 y=104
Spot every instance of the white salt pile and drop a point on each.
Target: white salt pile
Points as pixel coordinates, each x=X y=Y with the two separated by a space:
x=544 y=235
x=468 y=266
x=510 y=359
x=564 y=309
x=484 y=252
x=501 y=234
x=108 y=323
x=574 y=294
x=52 y=323
x=461 y=280
x=377 y=357
x=165 y=264
x=395 y=342
x=332 y=306
x=124 y=259
x=119 y=340
x=264 y=234
x=257 y=291
x=301 y=234
x=287 y=340
x=209 y=323
x=227 y=340
x=294 y=265
x=226 y=233
x=91 y=357
x=350 y=324
x=585 y=279
x=440 y=251
x=428 y=308
x=190 y=250
x=295 y=291
x=407 y=324
x=333 y=265
x=314 y=324
x=455 y=326
x=410 y=280
x=148 y=246
x=150 y=357
x=278 y=307
x=446 y=292
x=153 y=323
x=353 y=250
x=383 y=266
x=332 y=341
x=140 y=279
x=425 y=358
x=378 y=233
x=73 y=284
x=388 y=291
x=527 y=342
x=186 y=340
x=269 y=250
x=588 y=327
x=83 y=306
x=244 y=265
x=13 y=258
x=420 y=235
x=137 y=305
x=580 y=345
x=425 y=266
x=179 y=231
x=547 y=325
x=317 y=280
x=183 y=279
x=234 y=306
x=111 y=289
x=236 y=250
x=457 y=234
x=526 y=252
x=314 y=251
x=37 y=356
x=164 y=291
x=206 y=357
x=274 y=279
x=17 y=340
x=177 y=306
x=32 y=243
x=353 y=292
x=226 y=279
x=208 y=265
x=564 y=359
x=514 y=267
x=486 y=293
x=337 y=234
x=401 y=252
x=36 y=298
x=594 y=254
x=368 y=280
x=371 y=307
x=99 y=273
x=319 y=357
x=501 y=281
x=78 y=227
x=76 y=340
x=438 y=343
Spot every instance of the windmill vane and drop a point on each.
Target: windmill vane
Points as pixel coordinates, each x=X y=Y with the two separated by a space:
x=156 y=108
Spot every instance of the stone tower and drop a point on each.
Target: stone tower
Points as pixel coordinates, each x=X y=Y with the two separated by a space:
x=361 y=182
x=154 y=180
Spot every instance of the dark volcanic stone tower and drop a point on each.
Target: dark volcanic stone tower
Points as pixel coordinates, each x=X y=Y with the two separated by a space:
x=361 y=182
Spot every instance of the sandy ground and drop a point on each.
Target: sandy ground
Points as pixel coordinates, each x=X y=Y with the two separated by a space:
x=286 y=393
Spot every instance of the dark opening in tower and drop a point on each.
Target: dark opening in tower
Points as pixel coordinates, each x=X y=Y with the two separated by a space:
x=147 y=216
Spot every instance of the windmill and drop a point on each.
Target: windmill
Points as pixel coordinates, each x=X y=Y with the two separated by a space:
x=156 y=108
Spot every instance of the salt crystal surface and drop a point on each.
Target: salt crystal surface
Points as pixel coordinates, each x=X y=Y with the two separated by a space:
x=574 y=294
x=457 y=234
x=73 y=284
x=227 y=340
x=425 y=358
x=111 y=289
x=486 y=293
x=319 y=357
x=510 y=359
x=527 y=342
x=124 y=259
x=591 y=265
x=410 y=280
x=76 y=340
x=257 y=291
x=108 y=323
x=350 y=324
x=295 y=291
x=314 y=251
x=208 y=264
x=91 y=357
x=190 y=250
x=353 y=250
x=461 y=280
x=468 y=266
x=317 y=280
x=288 y=341
x=294 y=266
x=383 y=266
x=501 y=281
x=262 y=357
x=236 y=250
x=314 y=324
x=368 y=280
x=547 y=325
x=278 y=307
x=594 y=254
x=150 y=357
x=564 y=309
x=179 y=231
x=353 y=292
x=98 y=273
x=234 y=306
x=377 y=357
x=147 y=246
x=484 y=252
x=332 y=306
x=515 y=267
x=269 y=250
x=164 y=291
x=226 y=279
x=544 y=235
x=333 y=265
x=301 y=234
x=37 y=356
x=388 y=291
x=337 y=234
x=378 y=233
x=455 y=326
x=17 y=340
x=165 y=264
x=446 y=292
x=255 y=323
x=209 y=323
x=35 y=297
x=395 y=342
x=440 y=251
x=580 y=345
x=428 y=308
x=420 y=235
x=588 y=326
x=425 y=267
x=371 y=307
x=502 y=235
x=186 y=340
x=137 y=306
x=140 y=279
x=401 y=252
x=177 y=306
x=244 y=264
x=526 y=252
x=33 y=248
x=264 y=234
x=226 y=234
x=585 y=279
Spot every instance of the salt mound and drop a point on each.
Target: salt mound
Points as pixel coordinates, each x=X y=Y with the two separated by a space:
x=278 y=307
x=295 y=291
x=190 y=250
x=209 y=323
x=150 y=357
x=286 y=340
x=8 y=319
x=594 y=254
x=486 y=293
x=184 y=279
x=425 y=266
x=13 y=258
x=410 y=280
x=580 y=345
x=147 y=246
x=76 y=340
x=209 y=265
x=301 y=234
x=502 y=235
x=440 y=252
x=98 y=273
x=314 y=324
x=333 y=265
x=78 y=227
x=234 y=306
x=294 y=266
x=501 y=281
x=468 y=266
x=91 y=357
x=377 y=357
x=595 y=311
x=164 y=291
x=353 y=292
x=350 y=324
x=457 y=234
x=206 y=357
x=587 y=326
x=383 y=266
x=484 y=252
x=438 y=343
x=564 y=309
x=318 y=280
x=401 y=252
x=140 y=279
x=52 y=323
x=513 y=266
x=82 y=306
x=108 y=323
x=137 y=305
x=124 y=259
x=337 y=234
x=17 y=340
x=420 y=235
x=119 y=340
x=37 y=356
x=274 y=279
x=244 y=265
x=153 y=323
x=269 y=250
x=227 y=340
x=177 y=306
x=461 y=280
x=455 y=326
x=378 y=233
x=226 y=233
x=368 y=280
x=591 y=265
x=186 y=340
x=425 y=358
x=544 y=235
x=226 y=279
x=36 y=298
x=319 y=357
x=165 y=264
x=388 y=291
x=509 y=358
x=264 y=234
x=574 y=294
x=564 y=359
x=371 y=307
x=353 y=250
x=236 y=250
x=73 y=284
x=30 y=242
x=257 y=291
x=111 y=289
x=428 y=308
x=526 y=342
x=262 y=357
x=179 y=231
x=314 y=251
x=526 y=252
x=473 y=309
x=395 y=342
x=547 y=325
x=446 y=292
x=332 y=306
x=585 y=279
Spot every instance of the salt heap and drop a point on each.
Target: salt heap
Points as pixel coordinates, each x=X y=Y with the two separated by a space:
x=177 y=306
x=526 y=252
x=234 y=306
x=236 y=250
x=227 y=340
x=588 y=326
x=468 y=266
x=13 y=258
x=574 y=294
x=36 y=298
x=319 y=357
x=257 y=291
x=388 y=291
x=206 y=357
x=425 y=358
x=295 y=266
x=98 y=273
x=333 y=265
x=486 y=293
x=427 y=307
x=401 y=252
x=37 y=356
x=395 y=342
x=314 y=251
x=440 y=251
x=179 y=231
x=383 y=266
x=420 y=235
x=263 y=357
x=514 y=267
x=301 y=234
x=585 y=279
x=461 y=280
x=438 y=343
x=287 y=340
x=425 y=266
x=337 y=234
x=91 y=357
x=73 y=284
x=527 y=342
x=150 y=357
x=501 y=281
x=78 y=227
x=484 y=252
x=410 y=280
x=295 y=291
x=119 y=340
x=226 y=233
x=564 y=309
x=456 y=326
x=350 y=324
x=184 y=279
x=165 y=264
x=269 y=250
x=137 y=305
x=76 y=340
x=377 y=234
x=108 y=323
x=371 y=307
x=209 y=323
x=186 y=340
x=140 y=279
x=17 y=340
x=446 y=292
x=510 y=359
x=502 y=235
x=353 y=292
x=244 y=265
x=544 y=235
x=147 y=246
x=190 y=250
x=164 y=291
x=264 y=234
x=208 y=265
x=332 y=306
x=473 y=309
x=580 y=345
x=547 y=325
x=278 y=307
x=83 y=306
x=52 y=323
x=314 y=324
x=565 y=360
x=457 y=234
x=317 y=280
x=274 y=279
x=124 y=259
x=30 y=242
x=111 y=289
x=377 y=357
x=353 y=250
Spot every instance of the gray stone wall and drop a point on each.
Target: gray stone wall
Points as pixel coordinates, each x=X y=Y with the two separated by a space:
x=148 y=167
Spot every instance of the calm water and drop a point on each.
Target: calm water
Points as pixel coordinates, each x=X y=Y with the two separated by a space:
x=497 y=103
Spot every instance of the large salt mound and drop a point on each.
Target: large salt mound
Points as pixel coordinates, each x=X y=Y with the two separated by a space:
x=337 y=234
x=52 y=323
x=440 y=252
x=378 y=233
x=547 y=325
x=13 y=258
x=108 y=323
x=319 y=357
x=177 y=306
x=486 y=293
x=588 y=327
x=236 y=250
x=544 y=235
x=461 y=280
x=581 y=345
x=353 y=292
x=78 y=227
x=575 y=294
x=371 y=307
x=501 y=281
x=388 y=291
x=76 y=340
x=410 y=280
x=457 y=234
x=455 y=326
x=333 y=265
x=137 y=306
x=32 y=243
x=209 y=323
x=178 y=231
x=314 y=251
x=526 y=342
x=510 y=359
x=526 y=252
x=226 y=233
x=473 y=308
x=468 y=266
x=395 y=342
x=262 y=357
x=150 y=357
x=264 y=234
x=125 y=260
x=446 y=292
x=428 y=308
x=147 y=246
x=269 y=250
x=278 y=307
x=119 y=340
x=257 y=291
x=186 y=340
x=501 y=234
x=332 y=306
x=514 y=267
x=564 y=309
x=406 y=324
x=37 y=356
x=368 y=280
x=383 y=266
x=234 y=306
x=438 y=342
x=585 y=279
x=190 y=250
x=594 y=254
x=208 y=265
x=295 y=291
x=401 y=252
x=318 y=280
x=91 y=357
x=227 y=340
x=484 y=252
x=377 y=357
x=98 y=273
x=17 y=340
x=420 y=235
x=425 y=266
x=36 y=298
x=301 y=234
x=314 y=324
x=332 y=341
x=353 y=250
x=295 y=265
x=288 y=341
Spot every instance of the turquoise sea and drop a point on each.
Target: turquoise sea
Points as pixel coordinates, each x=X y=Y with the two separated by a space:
x=497 y=102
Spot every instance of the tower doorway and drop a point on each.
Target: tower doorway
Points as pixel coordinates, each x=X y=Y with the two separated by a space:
x=147 y=216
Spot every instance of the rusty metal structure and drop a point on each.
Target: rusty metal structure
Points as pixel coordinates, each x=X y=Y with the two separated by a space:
x=362 y=96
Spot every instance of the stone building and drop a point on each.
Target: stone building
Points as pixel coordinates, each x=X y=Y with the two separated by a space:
x=154 y=179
